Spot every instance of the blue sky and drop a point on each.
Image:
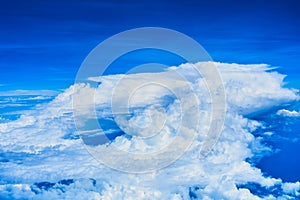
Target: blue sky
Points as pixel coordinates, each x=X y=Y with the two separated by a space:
x=44 y=42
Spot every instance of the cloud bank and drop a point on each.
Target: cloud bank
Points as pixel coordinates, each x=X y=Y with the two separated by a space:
x=42 y=156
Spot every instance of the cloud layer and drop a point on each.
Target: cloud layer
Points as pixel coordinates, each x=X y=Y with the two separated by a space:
x=43 y=157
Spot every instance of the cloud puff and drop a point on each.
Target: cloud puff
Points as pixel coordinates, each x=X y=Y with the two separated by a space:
x=43 y=157
x=292 y=188
x=288 y=113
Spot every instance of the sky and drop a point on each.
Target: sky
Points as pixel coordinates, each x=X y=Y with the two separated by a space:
x=43 y=43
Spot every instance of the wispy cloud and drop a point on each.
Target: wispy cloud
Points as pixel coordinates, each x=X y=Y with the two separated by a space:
x=28 y=92
x=288 y=113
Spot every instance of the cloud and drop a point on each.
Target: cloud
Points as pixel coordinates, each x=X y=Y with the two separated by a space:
x=41 y=150
x=288 y=113
x=28 y=92
x=292 y=188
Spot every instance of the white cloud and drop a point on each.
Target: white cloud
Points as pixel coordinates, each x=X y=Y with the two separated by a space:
x=29 y=92
x=292 y=188
x=288 y=113
x=41 y=145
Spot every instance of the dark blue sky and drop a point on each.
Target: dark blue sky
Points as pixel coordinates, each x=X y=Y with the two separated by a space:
x=44 y=42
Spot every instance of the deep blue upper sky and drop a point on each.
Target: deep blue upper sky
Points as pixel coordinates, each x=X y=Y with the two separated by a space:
x=44 y=42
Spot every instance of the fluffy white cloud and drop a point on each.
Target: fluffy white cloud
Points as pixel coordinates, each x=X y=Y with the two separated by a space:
x=292 y=188
x=42 y=145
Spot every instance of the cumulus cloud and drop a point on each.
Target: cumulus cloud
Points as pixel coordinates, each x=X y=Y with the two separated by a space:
x=43 y=157
x=292 y=188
